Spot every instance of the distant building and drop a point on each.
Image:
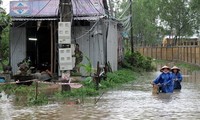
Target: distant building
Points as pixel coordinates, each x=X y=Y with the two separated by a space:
x=179 y=41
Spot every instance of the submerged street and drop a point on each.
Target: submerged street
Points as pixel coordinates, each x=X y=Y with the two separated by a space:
x=131 y=101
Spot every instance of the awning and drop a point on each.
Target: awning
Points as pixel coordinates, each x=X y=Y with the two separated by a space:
x=92 y=18
x=48 y=10
x=33 y=19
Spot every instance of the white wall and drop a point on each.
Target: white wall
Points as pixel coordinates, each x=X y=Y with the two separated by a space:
x=112 y=45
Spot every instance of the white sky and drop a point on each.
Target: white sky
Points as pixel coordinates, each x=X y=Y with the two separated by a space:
x=6 y=5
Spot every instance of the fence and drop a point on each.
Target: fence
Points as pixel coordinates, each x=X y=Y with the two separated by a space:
x=189 y=54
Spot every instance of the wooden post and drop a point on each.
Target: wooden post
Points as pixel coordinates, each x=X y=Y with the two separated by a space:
x=36 y=90
x=97 y=77
x=55 y=48
x=195 y=52
x=51 y=46
x=65 y=87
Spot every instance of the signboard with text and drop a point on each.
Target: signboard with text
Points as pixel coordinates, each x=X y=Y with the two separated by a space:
x=34 y=8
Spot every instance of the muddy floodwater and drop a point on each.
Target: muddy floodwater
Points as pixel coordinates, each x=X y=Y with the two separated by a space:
x=131 y=101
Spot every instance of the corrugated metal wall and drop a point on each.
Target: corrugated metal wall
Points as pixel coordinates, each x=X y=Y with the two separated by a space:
x=112 y=45
x=93 y=44
x=17 y=46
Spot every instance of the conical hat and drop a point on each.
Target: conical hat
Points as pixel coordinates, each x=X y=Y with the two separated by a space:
x=175 y=67
x=164 y=67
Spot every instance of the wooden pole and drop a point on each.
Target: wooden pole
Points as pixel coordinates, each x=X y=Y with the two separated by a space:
x=131 y=21
x=51 y=45
x=36 y=90
x=55 y=48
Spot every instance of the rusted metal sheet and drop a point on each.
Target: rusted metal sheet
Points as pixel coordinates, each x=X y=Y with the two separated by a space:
x=17 y=46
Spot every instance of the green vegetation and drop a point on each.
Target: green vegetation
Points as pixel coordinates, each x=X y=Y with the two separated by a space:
x=88 y=67
x=137 y=62
x=113 y=80
x=153 y=19
x=188 y=66
x=25 y=95
x=5 y=22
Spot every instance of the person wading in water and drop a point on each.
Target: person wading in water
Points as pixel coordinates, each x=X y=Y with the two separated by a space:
x=177 y=77
x=164 y=81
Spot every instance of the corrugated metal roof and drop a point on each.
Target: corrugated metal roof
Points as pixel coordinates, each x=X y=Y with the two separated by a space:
x=88 y=7
x=88 y=18
x=46 y=10
x=92 y=18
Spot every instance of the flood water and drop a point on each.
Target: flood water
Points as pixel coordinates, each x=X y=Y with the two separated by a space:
x=131 y=101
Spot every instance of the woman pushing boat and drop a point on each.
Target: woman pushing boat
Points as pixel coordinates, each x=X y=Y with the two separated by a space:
x=164 y=81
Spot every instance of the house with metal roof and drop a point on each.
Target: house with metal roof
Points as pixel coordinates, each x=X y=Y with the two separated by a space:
x=34 y=32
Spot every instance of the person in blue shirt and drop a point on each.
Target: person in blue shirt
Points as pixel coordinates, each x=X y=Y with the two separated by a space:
x=164 y=80
x=177 y=77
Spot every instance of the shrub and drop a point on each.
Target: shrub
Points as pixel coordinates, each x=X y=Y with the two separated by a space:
x=137 y=61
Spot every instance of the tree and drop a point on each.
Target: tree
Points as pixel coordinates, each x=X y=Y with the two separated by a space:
x=145 y=20
x=4 y=29
x=155 y=18
x=195 y=7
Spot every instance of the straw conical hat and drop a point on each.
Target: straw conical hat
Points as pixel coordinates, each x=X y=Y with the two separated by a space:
x=164 y=67
x=175 y=67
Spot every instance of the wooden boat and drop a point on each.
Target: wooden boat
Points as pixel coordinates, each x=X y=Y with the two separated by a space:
x=23 y=79
x=155 y=89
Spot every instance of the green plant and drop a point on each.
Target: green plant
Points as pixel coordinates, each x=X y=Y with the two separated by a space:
x=137 y=61
x=88 y=67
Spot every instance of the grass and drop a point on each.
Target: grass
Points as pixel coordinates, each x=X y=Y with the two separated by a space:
x=26 y=94
x=113 y=80
x=190 y=67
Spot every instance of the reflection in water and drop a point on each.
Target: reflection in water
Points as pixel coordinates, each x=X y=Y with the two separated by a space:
x=132 y=101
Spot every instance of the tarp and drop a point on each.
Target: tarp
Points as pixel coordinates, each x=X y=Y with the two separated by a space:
x=47 y=8
x=88 y=8
x=82 y=9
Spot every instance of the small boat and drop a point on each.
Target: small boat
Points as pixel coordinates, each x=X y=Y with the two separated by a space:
x=155 y=89
x=23 y=79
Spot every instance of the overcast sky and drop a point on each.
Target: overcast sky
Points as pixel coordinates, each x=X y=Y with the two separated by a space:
x=6 y=5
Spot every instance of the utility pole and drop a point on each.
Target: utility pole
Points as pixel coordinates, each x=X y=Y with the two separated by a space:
x=66 y=10
x=64 y=41
x=131 y=20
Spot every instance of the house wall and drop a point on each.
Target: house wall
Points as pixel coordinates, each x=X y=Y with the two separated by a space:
x=100 y=44
x=17 y=46
x=112 y=45
x=91 y=44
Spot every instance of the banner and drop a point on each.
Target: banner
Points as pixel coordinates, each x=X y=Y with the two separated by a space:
x=34 y=8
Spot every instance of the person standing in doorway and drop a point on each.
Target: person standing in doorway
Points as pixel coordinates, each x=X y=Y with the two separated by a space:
x=79 y=58
x=177 y=77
